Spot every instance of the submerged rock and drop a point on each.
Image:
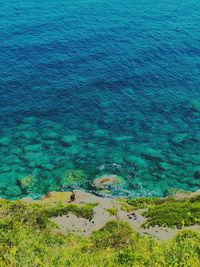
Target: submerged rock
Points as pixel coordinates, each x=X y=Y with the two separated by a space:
x=67 y=140
x=51 y=135
x=178 y=139
x=4 y=141
x=16 y=151
x=33 y=148
x=164 y=166
x=137 y=161
x=3 y=186
x=106 y=181
x=123 y=138
x=47 y=166
x=73 y=177
x=197 y=137
x=100 y=133
x=30 y=135
x=151 y=154
x=195 y=105
x=39 y=160
x=25 y=183
x=13 y=191
x=197 y=174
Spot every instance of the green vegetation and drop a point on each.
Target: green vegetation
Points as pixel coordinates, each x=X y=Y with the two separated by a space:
x=114 y=234
x=32 y=213
x=177 y=214
x=85 y=211
x=167 y=211
x=29 y=238
x=112 y=211
x=141 y=203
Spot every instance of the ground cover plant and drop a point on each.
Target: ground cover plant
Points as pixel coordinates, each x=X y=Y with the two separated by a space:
x=169 y=211
x=29 y=238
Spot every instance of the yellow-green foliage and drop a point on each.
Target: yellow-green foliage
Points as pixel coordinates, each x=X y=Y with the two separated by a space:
x=140 y=203
x=112 y=211
x=166 y=211
x=173 y=212
x=148 y=202
x=114 y=234
x=28 y=238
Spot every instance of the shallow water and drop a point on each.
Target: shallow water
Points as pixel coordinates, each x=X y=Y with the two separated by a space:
x=94 y=87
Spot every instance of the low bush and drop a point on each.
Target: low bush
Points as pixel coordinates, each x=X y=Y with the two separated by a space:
x=114 y=234
x=28 y=238
x=173 y=214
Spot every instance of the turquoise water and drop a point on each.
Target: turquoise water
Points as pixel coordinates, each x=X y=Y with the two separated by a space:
x=90 y=87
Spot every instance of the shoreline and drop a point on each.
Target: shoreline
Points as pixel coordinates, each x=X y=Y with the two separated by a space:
x=108 y=209
x=95 y=228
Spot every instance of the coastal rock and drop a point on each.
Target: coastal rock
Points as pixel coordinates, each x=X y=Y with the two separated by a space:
x=55 y=197
x=106 y=181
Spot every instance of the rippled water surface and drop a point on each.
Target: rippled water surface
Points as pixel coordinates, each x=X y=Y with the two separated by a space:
x=95 y=87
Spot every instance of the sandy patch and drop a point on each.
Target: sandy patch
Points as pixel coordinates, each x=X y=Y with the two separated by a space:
x=101 y=216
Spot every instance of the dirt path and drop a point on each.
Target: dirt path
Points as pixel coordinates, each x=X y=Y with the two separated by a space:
x=83 y=226
x=101 y=216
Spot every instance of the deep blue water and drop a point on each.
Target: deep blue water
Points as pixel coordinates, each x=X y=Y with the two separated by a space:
x=92 y=87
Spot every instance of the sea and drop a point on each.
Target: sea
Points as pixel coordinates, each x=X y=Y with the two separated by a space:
x=96 y=88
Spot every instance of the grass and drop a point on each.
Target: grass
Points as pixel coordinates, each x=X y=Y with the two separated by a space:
x=112 y=211
x=85 y=211
x=177 y=214
x=140 y=203
x=169 y=211
x=114 y=234
x=28 y=238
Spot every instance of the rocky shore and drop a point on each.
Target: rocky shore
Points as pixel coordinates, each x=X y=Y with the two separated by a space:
x=108 y=209
x=81 y=229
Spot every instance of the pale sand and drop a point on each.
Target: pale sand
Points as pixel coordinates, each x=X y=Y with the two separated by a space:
x=84 y=227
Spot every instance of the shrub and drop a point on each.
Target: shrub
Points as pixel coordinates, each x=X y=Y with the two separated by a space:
x=28 y=238
x=112 y=211
x=114 y=234
x=173 y=214
x=184 y=250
